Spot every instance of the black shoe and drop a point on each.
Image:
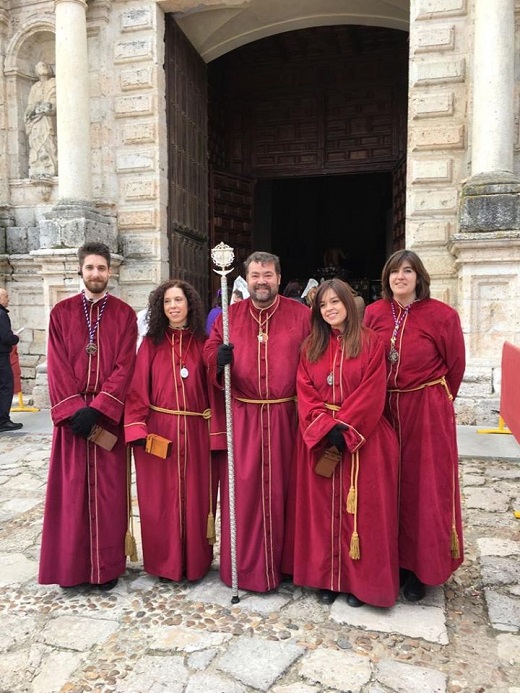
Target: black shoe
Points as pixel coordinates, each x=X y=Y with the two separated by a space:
x=10 y=426
x=327 y=597
x=165 y=579
x=352 y=600
x=404 y=575
x=106 y=586
x=414 y=590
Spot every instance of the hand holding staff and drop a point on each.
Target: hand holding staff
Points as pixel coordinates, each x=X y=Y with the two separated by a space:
x=222 y=256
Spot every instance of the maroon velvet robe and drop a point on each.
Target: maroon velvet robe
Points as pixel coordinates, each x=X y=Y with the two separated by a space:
x=430 y=345
x=175 y=494
x=322 y=526
x=85 y=517
x=263 y=434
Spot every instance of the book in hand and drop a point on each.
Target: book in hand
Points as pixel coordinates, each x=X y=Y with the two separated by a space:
x=158 y=446
x=326 y=465
x=102 y=437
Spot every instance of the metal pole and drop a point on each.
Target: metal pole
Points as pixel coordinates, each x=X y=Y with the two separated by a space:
x=222 y=256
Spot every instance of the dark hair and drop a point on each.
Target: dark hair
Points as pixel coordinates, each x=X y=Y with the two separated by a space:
x=317 y=342
x=292 y=290
x=264 y=259
x=422 y=290
x=93 y=248
x=157 y=320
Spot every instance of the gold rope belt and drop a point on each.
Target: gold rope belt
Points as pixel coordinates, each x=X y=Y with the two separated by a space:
x=439 y=381
x=206 y=414
x=267 y=401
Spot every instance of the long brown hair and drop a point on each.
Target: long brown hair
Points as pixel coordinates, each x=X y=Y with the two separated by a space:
x=422 y=289
x=317 y=342
x=157 y=320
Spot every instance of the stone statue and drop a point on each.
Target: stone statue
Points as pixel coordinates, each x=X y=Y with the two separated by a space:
x=40 y=124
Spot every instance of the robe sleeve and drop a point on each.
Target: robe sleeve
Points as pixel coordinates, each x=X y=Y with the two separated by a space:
x=110 y=400
x=137 y=405
x=64 y=389
x=211 y=346
x=452 y=351
x=315 y=419
x=360 y=411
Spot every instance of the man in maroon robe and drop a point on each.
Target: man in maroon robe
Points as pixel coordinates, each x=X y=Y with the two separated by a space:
x=90 y=359
x=266 y=331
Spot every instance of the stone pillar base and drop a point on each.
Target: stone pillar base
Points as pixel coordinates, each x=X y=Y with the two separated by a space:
x=490 y=202
x=40 y=393
x=72 y=223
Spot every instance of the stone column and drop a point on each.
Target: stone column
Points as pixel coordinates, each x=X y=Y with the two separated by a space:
x=72 y=101
x=487 y=246
x=490 y=198
x=75 y=219
x=493 y=85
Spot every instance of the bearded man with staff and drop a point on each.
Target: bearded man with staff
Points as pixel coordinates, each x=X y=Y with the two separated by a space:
x=266 y=331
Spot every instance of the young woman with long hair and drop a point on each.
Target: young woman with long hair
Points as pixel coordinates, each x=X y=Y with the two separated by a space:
x=345 y=504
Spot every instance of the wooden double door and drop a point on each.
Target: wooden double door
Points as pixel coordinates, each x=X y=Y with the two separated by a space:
x=309 y=103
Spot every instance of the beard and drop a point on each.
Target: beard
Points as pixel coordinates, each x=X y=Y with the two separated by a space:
x=97 y=286
x=263 y=294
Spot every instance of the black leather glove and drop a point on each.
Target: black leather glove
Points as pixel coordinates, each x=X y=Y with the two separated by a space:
x=224 y=356
x=83 y=421
x=139 y=443
x=335 y=437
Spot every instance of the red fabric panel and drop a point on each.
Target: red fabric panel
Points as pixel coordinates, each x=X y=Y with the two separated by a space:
x=510 y=390
x=15 y=367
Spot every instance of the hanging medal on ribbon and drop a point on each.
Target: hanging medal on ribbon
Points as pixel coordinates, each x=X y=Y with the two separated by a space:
x=92 y=347
x=393 y=354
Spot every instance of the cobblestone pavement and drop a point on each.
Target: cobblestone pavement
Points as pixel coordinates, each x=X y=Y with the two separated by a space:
x=150 y=636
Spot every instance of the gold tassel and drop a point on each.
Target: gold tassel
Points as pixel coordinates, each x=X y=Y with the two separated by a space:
x=130 y=547
x=455 y=547
x=210 y=531
x=354 y=552
x=352 y=500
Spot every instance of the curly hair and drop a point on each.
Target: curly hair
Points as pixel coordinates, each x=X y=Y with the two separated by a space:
x=422 y=290
x=316 y=343
x=157 y=320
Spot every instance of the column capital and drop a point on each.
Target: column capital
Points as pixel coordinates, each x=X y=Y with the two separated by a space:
x=83 y=3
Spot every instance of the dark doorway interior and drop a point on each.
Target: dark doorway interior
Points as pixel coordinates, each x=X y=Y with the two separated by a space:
x=313 y=222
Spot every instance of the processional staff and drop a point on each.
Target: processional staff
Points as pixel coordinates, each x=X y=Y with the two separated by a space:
x=222 y=256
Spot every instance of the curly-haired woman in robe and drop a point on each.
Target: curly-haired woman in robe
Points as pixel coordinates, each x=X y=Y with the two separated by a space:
x=169 y=396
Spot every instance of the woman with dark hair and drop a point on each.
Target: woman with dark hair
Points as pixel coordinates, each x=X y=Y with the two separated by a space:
x=425 y=361
x=169 y=397
x=345 y=518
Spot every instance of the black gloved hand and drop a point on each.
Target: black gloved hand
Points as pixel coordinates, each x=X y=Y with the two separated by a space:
x=83 y=421
x=224 y=356
x=139 y=443
x=335 y=437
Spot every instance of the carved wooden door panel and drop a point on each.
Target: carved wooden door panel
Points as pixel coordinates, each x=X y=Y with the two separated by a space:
x=399 y=205
x=186 y=112
x=231 y=216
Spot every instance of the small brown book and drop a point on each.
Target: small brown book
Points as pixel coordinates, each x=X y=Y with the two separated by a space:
x=326 y=465
x=102 y=437
x=158 y=446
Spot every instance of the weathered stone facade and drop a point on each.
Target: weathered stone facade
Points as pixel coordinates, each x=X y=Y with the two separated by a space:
x=112 y=178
